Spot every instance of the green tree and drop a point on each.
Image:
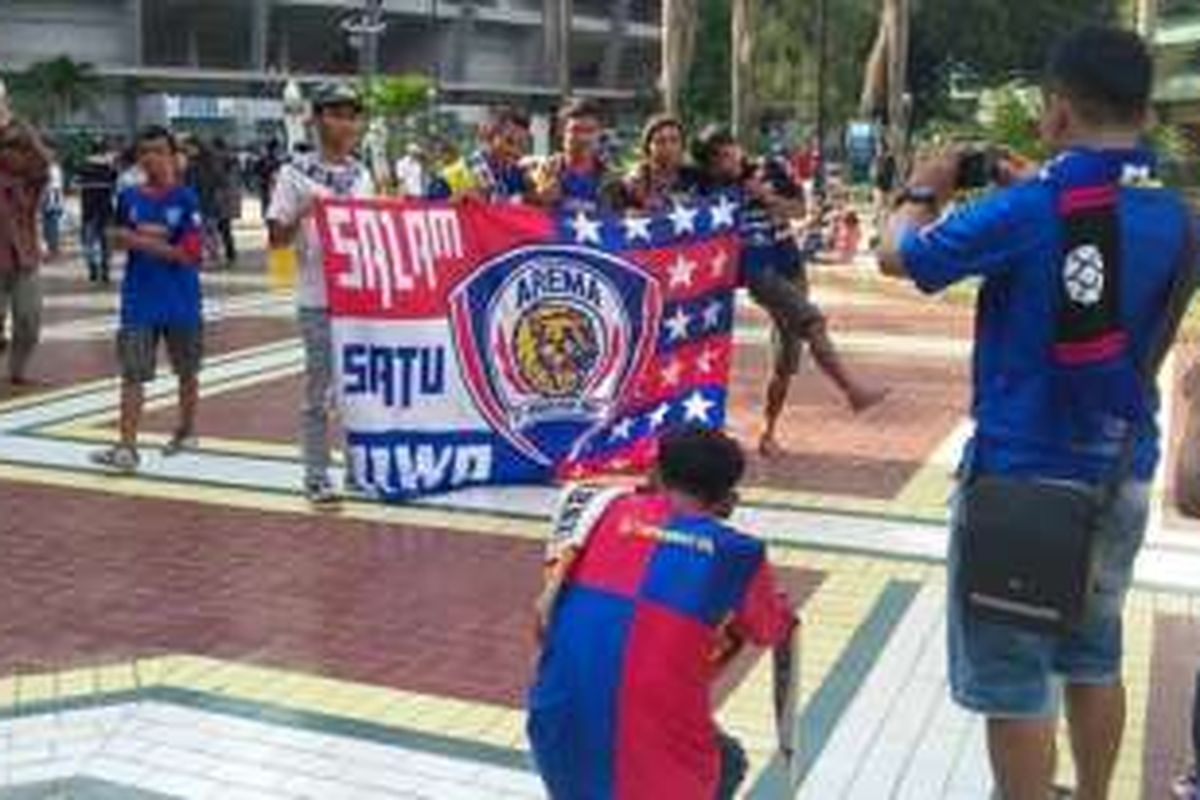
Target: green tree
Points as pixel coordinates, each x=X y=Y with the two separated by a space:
x=51 y=92
x=992 y=40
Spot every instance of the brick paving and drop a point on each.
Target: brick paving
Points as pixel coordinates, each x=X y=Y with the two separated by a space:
x=424 y=619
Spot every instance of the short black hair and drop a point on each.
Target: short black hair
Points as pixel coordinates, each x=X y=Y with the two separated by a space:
x=702 y=462
x=709 y=142
x=152 y=133
x=1106 y=73
x=499 y=116
x=655 y=124
x=580 y=108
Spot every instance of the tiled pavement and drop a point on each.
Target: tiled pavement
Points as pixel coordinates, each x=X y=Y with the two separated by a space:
x=198 y=632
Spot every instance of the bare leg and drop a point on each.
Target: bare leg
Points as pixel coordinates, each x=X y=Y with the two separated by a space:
x=1023 y=755
x=189 y=398
x=860 y=397
x=777 y=392
x=1097 y=719
x=131 y=412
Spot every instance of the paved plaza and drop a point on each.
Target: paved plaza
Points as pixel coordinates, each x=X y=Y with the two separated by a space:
x=197 y=631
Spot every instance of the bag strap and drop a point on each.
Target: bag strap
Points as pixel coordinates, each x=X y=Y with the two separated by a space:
x=1183 y=286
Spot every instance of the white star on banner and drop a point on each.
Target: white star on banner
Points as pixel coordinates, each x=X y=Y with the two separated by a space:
x=722 y=213
x=712 y=314
x=586 y=229
x=636 y=228
x=672 y=373
x=681 y=271
x=719 y=262
x=622 y=430
x=677 y=325
x=704 y=361
x=683 y=218
x=696 y=408
x=658 y=417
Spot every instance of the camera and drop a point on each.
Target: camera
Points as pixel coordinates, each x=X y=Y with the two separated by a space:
x=979 y=166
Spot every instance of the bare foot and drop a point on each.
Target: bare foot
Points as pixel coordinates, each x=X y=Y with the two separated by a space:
x=865 y=399
x=769 y=448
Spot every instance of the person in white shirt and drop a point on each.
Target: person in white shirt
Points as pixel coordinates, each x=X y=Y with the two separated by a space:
x=331 y=170
x=410 y=172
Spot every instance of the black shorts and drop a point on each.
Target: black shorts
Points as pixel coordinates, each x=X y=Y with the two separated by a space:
x=137 y=351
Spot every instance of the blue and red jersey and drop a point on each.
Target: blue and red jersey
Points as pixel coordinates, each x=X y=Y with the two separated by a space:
x=622 y=703
x=156 y=293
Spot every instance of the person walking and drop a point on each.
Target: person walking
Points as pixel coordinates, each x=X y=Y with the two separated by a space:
x=1085 y=266
x=24 y=173
x=97 y=181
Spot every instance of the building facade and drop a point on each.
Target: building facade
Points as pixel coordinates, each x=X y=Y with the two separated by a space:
x=227 y=60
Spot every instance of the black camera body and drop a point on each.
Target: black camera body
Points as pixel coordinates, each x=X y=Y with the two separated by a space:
x=979 y=167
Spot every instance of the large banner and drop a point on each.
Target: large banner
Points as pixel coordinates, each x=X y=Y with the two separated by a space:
x=479 y=344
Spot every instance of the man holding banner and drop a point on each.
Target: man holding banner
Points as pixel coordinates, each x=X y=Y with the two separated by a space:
x=330 y=171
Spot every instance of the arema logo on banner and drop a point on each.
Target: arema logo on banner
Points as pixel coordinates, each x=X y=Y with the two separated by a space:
x=550 y=339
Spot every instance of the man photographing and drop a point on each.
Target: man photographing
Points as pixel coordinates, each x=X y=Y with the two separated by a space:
x=1081 y=264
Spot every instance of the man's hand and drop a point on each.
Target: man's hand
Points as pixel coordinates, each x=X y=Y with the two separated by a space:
x=939 y=172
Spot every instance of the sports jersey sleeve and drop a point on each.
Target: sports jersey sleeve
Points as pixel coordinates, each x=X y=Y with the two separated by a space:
x=186 y=233
x=124 y=216
x=980 y=239
x=765 y=616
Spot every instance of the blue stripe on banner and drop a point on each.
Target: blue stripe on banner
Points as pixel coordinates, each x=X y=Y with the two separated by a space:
x=685 y=223
x=701 y=405
x=402 y=464
x=692 y=320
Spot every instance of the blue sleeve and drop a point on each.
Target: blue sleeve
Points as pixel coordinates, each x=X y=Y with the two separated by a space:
x=125 y=203
x=981 y=239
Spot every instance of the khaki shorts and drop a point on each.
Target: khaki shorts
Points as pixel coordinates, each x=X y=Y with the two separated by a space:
x=792 y=313
x=137 y=351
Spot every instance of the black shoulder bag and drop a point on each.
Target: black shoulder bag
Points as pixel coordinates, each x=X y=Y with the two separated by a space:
x=1028 y=546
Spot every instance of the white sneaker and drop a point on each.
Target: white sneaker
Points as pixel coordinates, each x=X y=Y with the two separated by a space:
x=321 y=494
x=118 y=458
x=179 y=442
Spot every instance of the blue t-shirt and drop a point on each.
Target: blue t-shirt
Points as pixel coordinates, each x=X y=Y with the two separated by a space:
x=157 y=293
x=1013 y=240
x=767 y=243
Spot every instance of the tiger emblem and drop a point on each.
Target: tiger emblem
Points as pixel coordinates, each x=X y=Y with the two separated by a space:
x=556 y=348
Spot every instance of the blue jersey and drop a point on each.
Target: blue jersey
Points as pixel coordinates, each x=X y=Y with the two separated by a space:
x=1013 y=240
x=155 y=292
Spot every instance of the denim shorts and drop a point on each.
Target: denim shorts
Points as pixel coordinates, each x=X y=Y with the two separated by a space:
x=1002 y=671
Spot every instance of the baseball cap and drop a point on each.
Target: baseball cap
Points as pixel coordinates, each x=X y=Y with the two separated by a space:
x=336 y=94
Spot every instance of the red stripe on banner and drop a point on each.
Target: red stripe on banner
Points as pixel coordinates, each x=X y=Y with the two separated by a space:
x=1087 y=198
x=394 y=259
x=702 y=363
x=687 y=271
x=1076 y=354
x=636 y=459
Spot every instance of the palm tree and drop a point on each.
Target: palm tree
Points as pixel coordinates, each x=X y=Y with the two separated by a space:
x=57 y=88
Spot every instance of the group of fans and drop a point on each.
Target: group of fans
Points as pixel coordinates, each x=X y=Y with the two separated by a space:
x=580 y=178
x=676 y=589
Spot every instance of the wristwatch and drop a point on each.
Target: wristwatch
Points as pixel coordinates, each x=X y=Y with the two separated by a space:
x=918 y=195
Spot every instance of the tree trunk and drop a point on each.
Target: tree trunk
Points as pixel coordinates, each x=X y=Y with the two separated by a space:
x=742 y=64
x=678 y=42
